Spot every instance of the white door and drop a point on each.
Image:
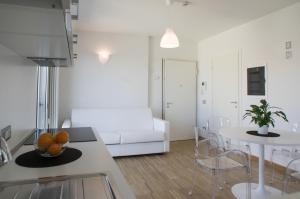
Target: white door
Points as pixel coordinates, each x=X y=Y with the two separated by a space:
x=179 y=97
x=225 y=86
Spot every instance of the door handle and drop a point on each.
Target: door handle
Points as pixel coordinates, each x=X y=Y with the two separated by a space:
x=233 y=102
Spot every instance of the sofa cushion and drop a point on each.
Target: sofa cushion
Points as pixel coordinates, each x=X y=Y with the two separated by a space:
x=110 y=120
x=110 y=138
x=136 y=136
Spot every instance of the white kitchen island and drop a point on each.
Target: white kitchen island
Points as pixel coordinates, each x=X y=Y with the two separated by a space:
x=95 y=159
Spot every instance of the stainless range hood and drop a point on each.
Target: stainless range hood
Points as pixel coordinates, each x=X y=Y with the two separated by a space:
x=39 y=30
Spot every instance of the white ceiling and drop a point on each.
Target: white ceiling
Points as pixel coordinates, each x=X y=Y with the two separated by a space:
x=200 y=20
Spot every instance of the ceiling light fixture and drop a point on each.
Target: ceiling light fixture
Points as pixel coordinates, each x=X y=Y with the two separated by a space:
x=169 y=2
x=180 y=2
x=104 y=56
x=169 y=39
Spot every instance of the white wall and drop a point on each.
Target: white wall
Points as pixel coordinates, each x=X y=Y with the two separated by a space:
x=122 y=82
x=131 y=78
x=260 y=42
x=187 y=51
x=17 y=92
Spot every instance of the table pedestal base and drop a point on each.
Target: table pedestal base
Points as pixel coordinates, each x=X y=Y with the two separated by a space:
x=239 y=191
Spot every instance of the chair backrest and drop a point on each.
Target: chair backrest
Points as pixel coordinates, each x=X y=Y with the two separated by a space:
x=210 y=146
x=214 y=124
x=213 y=150
x=196 y=129
x=201 y=132
x=292 y=172
x=224 y=122
x=295 y=129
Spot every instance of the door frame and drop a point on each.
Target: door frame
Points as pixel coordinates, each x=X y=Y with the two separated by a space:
x=164 y=84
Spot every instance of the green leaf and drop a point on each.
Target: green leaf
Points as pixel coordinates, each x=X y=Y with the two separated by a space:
x=262 y=114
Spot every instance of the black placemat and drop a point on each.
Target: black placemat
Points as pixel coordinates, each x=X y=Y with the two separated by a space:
x=80 y=134
x=32 y=159
x=270 y=134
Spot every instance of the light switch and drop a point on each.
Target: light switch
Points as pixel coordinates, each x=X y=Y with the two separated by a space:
x=288 y=54
x=288 y=45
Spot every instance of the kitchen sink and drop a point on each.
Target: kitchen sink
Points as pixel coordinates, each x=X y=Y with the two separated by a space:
x=91 y=186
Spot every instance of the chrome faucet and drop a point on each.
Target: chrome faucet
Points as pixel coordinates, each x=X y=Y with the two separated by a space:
x=5 y=154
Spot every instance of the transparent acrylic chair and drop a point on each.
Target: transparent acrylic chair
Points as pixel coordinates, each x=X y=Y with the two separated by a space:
x=216 y=122
x=223 y=122
x=210 y=155
x=201 y=132
x=292 y=174
x=5 y=154
x=285 y=153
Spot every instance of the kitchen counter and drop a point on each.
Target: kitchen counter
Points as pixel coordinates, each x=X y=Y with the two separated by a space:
x=17 y=137
x=95 y=159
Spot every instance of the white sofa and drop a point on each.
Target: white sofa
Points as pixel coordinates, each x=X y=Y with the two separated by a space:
x=125 y=131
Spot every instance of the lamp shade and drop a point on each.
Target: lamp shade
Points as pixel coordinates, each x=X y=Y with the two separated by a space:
x=169 y=39
x=104 y=56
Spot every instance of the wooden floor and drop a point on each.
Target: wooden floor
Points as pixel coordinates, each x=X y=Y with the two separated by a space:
x=170 y=175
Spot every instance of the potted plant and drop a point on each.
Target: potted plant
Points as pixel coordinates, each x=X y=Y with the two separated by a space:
x=263 y=116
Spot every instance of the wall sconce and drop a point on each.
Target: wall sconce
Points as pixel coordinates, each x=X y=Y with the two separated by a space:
x=104 y=56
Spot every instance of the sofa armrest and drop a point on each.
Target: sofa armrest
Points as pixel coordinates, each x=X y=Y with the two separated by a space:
x=163 y=126
x=66 y=124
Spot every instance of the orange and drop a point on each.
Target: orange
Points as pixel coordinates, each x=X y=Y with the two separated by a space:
x=62 y=137
x=54 y=149
x=44 y=141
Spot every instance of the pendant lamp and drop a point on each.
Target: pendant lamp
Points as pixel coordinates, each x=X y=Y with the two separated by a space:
x=169 y=39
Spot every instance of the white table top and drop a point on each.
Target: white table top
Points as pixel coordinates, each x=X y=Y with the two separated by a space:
x=239 y=133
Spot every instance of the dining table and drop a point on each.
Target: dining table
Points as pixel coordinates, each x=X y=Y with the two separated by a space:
x=259 y=190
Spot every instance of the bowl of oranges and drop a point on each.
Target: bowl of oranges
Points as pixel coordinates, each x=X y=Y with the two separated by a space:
x=51 y=144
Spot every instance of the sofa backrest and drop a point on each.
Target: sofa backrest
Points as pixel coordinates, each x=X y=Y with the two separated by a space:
x=109 y=120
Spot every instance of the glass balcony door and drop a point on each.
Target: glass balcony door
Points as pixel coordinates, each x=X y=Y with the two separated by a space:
x=47 y=97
